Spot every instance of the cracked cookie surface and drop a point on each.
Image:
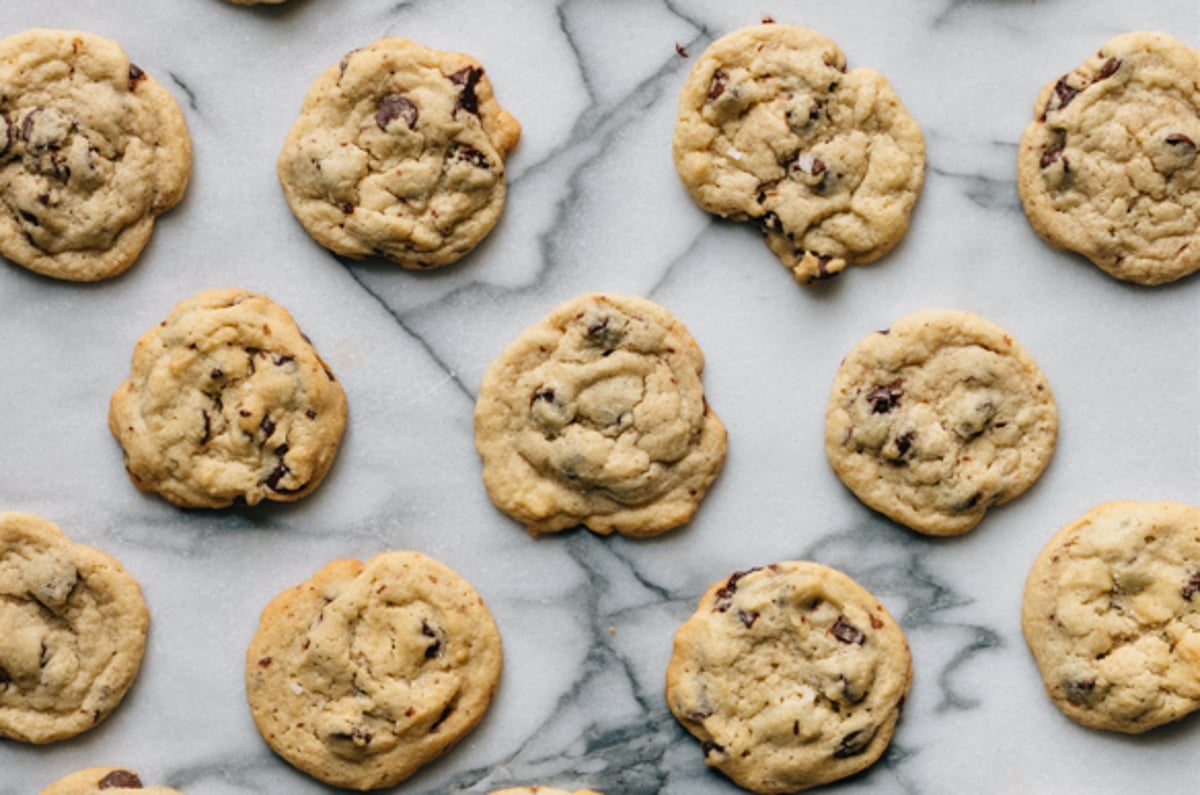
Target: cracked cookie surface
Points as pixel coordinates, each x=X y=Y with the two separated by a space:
x=92 y=150
x=104 y=781
x=73 y=624
x=1112 y=617
x=399 y=153
x=791 y=676
x=596 y=415
x=227 y=401
x=369 y=670
x=938 y=418
x=827 y=162
x=1109 y=166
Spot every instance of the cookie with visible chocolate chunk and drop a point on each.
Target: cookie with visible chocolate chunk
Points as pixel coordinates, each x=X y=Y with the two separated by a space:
x=73 y=625
x=368 y=671
x=107 y=780
x=1111 y=615
x=92 y=150
x=399 y=153
x=938 y=418
x=1109 y=166
x=228 y=402
x=773 y=129
x=791 y=676
x=596 y=415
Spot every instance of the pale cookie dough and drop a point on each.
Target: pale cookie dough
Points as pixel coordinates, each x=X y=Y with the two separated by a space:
x=399 y=153
x=596 y=415
x=228 y=401
x=72 y=631
x=367 y=671
x=541 y=791
x=791 y=676
x=938 y=418
x=92 y=149
x=1112 y=616
x=106 y=780
x=1109 y=166
x=827 y=162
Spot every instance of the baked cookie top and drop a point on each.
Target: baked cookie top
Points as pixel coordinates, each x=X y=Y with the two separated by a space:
x=938 y=418
x=596 y=416
x=399 y=153
x=369 y=670
x=74 y=628
x=773 y=129
x=1108 y=167
x=106 y=780
x=227 y=401
x=1112 y=617
x=92 y=149
x=791 y=676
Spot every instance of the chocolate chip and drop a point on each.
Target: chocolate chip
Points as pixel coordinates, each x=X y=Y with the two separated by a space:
x=717 y=87
x=854 y=743
x=886 y=397
x=468 y=78
x=1191 y=586
x=394 y=107
x=1179 y=139
x=125 y=779
x=136 y=76
x=846 y=632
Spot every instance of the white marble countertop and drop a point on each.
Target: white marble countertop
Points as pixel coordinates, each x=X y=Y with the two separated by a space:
x=594 y=204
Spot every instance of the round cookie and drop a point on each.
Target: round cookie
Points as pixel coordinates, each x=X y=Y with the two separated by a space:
x=399 y=153
x=1109 y=166
x=107 y=780
x=596 y=416
x=370 y=670
x=73 y=625
x=227 y=401
x=1112 y=617
x=791 y=676
x=541 y=791
x=938 y=418
x=91 y=151
x=827 y=162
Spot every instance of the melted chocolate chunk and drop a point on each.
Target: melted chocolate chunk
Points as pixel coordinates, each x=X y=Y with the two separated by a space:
x=136 y=76
x=125 y=779
x=394 y=107
x=468 y=78
x=846 y=632
x=885 y=398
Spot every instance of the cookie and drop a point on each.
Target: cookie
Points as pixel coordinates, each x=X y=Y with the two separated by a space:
x=370 y=670
x=596 y=416
x=1109 y=169
x=228 y=402
x=109 y=780
x=938 y=418
x=1112 y=617
x=542 y=791
x=92 y=150
x=773 y=129
x=399 y=153
x=791 y=676
x=73 y=625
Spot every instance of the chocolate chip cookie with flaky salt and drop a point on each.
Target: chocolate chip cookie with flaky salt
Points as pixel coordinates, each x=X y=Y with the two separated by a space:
x=1112 y=616
x=596 y=416
x=92 y=150
x=399 y=153
x=773 y=129
x=791 y=676
x=938 y=418
x=104 y=781
x=367 y=671
x=72 y=632
x=228 y=402
x=1109 y=166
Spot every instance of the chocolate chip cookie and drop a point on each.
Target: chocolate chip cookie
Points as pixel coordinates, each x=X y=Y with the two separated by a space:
x=399 y=153
x=369 y=670
x=596 y=416
x=791 y=676
x=73 y=628
x=107 y=780
x=1109 y=167
x=92 y=150
x=1112 y=617
x=773 y=129
x=227 y=401
x=938 y=418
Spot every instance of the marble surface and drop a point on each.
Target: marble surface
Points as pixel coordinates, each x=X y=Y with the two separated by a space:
x=594 y=204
